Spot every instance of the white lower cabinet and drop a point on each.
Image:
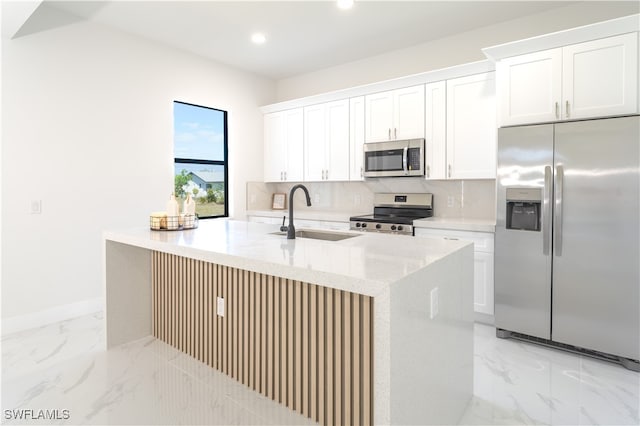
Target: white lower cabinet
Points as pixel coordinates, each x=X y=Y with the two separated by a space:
x=483 y=263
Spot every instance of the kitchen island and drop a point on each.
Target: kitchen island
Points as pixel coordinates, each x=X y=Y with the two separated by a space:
x=374 y=329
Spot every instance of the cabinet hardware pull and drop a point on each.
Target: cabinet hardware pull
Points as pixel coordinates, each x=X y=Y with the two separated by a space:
x=361 y=172
x=326 y=174
x=557 y=110
x=389 y=133
x=449 y=170
x=428 y=171
x=285 y=175
x=567 y=108
x=395 y=133
x=281 y=176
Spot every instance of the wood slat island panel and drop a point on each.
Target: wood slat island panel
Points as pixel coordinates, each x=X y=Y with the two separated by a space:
x=305 y=346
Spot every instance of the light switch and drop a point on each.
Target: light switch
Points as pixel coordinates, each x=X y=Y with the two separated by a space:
x=36 y=206
x=220 y=307
x=434 y=303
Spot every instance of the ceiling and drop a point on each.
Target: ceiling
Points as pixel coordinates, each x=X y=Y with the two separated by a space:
x=302 y=36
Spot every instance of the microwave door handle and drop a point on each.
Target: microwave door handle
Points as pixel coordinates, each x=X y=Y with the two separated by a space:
x=405 y=155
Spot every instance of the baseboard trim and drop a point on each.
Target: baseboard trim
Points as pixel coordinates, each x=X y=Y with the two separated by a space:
x=48 y=316
x=484 y=318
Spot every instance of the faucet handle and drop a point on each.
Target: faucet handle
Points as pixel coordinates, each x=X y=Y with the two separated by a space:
x=283 y=228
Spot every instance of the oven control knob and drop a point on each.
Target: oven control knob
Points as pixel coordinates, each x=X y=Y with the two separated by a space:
x=358 y=225
x=378 y=226
x=364 y=225
x=400 y=228
x=393 y=227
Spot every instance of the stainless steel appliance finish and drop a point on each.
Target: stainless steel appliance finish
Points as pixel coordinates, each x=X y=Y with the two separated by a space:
x=573 y=278
x=394 y=213
x=394 y=158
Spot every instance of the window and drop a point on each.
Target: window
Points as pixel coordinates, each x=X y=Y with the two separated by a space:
x=200 y=151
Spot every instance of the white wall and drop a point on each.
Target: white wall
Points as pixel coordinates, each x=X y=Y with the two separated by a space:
x=88 y=129
x=458 y=49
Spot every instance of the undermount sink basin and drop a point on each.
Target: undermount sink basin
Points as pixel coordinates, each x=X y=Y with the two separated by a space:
x=320 y=235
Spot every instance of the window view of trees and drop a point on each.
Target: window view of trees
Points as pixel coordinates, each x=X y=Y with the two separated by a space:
x=200 y=168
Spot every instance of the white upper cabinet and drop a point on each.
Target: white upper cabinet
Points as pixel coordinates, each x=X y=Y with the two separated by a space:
x=379 y=117
x=471 y=127
x=600 y=77
x=408 y=113
x=337 y=153
x=435 y=130
x=283 y=142
x=585 y=80
x=274 y=153
x=326 y=141
x=356 y=138
x=314 y=142
x=396 y=114
x=529 y=87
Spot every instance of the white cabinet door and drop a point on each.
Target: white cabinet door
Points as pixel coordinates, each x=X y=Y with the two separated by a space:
x=274 y=153
x=356 y=137
x=529 y=88
x=471 y=127
x=600 y=77
x=379 y=116
x=314 y=142
x=482 y=263
x=408 y=113
x=294 y=140
x=337 y=141
x=435 y=130
x=586 y=80
x=326 y=141
x=483 y=283
x=396 y=114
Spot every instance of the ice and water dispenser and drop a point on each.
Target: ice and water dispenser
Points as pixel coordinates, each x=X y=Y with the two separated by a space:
x=524 y=207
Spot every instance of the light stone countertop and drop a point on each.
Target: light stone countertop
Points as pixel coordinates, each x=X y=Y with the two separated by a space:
x=367 y=264
x=454 y=223
x=457 y=224
x=307 y=214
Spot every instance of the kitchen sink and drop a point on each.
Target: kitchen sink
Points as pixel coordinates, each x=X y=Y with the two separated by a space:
x=320 y=235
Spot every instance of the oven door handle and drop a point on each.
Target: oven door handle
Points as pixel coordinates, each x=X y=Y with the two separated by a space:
x=405 y=158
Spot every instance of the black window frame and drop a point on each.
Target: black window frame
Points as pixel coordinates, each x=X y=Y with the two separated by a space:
x=224 y=163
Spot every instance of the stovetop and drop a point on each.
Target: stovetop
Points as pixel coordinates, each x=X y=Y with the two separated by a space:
x=402 y=220
x=394 y=213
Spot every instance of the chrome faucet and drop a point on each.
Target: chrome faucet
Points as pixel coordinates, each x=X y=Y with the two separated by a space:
x=291 y=230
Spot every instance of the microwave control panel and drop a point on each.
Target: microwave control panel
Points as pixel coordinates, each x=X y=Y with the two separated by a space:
x=413 y=160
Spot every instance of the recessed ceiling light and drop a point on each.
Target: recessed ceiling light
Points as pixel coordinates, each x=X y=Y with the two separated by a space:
x=345 y=4
x=258 y=38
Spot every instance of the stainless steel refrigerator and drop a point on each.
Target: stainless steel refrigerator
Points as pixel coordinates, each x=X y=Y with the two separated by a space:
x=567 y=243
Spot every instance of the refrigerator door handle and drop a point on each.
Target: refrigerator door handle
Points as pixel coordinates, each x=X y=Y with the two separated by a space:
x=546 y=212
x=557 y=226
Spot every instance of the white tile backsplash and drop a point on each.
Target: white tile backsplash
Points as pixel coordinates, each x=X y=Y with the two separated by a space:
x=469 y=198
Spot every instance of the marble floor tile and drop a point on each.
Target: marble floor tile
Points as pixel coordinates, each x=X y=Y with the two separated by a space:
x=523 y=383
x=65 y=366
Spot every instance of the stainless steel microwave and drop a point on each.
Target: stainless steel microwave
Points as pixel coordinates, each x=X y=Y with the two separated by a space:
x=394 y=158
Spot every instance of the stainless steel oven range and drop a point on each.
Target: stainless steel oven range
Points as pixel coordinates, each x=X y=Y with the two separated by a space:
x=394 y=213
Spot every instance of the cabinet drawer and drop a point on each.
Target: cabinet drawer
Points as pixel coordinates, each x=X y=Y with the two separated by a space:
x=482 y=241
